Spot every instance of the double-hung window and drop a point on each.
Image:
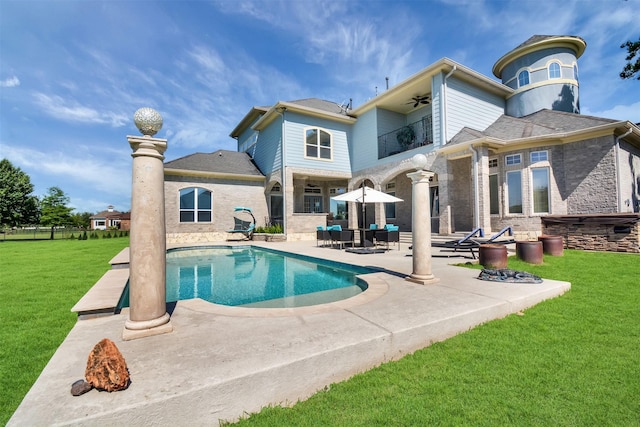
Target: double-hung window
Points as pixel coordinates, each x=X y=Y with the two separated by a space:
x=195 y=205
x=318 y=144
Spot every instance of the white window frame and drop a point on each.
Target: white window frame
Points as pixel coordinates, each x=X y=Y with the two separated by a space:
x=559 y=76
x=318 y=145
x=533 y=189
x=538 y=156
x=196 y=209
x=508 y=191
x=493 y=162
x=512 y=159
x=497 y=193
x=520 y=84
x=312 y=193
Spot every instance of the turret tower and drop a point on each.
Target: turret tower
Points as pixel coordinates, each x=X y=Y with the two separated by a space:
x=543 y=71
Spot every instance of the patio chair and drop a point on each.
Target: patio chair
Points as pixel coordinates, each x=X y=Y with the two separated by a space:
x=341 y=237
x=323 y=234
x=390 y=234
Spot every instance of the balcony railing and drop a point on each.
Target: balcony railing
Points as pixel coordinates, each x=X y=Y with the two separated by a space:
x=406 y=138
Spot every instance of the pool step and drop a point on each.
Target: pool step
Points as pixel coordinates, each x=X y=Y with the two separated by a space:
x=103 y=297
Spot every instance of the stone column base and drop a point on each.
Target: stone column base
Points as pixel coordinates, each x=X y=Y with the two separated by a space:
x=140 y=329
x=423 y=279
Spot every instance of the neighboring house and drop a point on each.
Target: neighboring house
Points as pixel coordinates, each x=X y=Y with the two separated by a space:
x=110 y=219
x=503 y=153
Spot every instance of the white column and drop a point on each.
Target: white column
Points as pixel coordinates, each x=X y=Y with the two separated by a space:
x=421 y=228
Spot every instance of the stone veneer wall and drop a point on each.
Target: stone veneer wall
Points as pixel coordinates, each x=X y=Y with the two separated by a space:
x=596 y=232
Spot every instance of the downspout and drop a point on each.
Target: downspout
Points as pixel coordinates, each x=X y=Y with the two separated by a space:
x=281 y=111
x=476 y=201
x=444 y=106
x=617 y=167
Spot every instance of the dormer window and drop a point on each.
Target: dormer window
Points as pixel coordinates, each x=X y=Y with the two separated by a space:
x=523 y=78
x=554 y=70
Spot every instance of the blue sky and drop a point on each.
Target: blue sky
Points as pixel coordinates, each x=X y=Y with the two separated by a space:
x=72 y=73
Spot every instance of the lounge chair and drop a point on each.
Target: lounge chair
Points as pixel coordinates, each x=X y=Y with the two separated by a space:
x=496 y=237
x=467 y=243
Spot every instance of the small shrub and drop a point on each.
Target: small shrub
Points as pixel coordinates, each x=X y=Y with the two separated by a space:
x=270 y=229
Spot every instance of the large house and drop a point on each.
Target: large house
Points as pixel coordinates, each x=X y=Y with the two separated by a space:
x=504 y=153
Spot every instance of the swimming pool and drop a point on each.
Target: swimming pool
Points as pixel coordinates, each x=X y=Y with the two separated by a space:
x=248 y=276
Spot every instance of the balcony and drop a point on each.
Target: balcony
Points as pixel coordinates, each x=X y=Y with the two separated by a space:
x=406 y=138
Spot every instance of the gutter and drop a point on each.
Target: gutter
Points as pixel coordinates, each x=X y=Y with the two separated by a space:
x=205 y=174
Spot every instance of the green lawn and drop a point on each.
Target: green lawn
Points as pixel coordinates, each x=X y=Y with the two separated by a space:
x=39 y=283
x=570 y=361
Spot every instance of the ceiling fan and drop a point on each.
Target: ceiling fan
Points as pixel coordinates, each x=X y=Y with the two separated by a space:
x=420 y=99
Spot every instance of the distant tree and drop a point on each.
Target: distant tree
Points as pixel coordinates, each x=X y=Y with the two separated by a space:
x=54 y=209
x=633 y=50
x=17 y=205
x=81 y=220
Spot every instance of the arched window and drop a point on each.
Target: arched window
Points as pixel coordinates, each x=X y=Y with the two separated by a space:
x=318 y=144
x=554 y=71
x=523 y=78
x=195 y=205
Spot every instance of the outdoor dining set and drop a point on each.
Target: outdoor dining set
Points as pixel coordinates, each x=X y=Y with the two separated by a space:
x=336 y=236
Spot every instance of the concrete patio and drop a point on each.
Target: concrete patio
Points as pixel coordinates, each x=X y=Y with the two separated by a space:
x=221 y=363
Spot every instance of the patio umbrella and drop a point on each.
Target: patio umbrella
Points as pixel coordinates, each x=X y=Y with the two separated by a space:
x=366 y=195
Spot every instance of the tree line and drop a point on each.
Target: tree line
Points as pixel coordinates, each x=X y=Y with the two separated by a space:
x=20 y=207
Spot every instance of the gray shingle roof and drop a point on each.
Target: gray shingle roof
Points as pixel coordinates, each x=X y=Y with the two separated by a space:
x=319 y=104
x=221 y=161
x=541 y=123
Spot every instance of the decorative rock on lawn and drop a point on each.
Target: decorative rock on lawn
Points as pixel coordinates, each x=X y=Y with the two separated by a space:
x=106 y=367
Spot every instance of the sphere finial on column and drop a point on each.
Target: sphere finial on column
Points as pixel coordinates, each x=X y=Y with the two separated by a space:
x=419 y=161
x=148 y=121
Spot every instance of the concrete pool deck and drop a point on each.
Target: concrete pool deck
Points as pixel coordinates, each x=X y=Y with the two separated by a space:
x=221 y=363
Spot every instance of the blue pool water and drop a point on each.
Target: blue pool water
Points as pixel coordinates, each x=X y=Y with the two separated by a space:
x=250 y=276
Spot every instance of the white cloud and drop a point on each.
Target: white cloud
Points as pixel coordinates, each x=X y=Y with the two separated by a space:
x=72 y=111
x=10 y=82
x=617 y=112
x=107 y=176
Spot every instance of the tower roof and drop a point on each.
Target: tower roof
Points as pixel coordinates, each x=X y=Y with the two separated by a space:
x=536 y=43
